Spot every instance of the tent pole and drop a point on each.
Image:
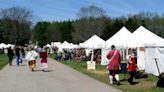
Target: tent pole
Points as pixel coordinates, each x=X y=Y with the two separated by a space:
x=92 y=55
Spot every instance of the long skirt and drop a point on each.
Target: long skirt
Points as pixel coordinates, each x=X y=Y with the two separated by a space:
x=32 y=64
x=44 y=66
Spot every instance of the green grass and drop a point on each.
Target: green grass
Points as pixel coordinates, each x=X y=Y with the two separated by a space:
x=3 y=60
x=81 y=66
x=101 y=74
x=52 y=56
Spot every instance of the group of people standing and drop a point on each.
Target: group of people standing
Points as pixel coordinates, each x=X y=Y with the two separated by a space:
x=114 y=66
x=30 y=57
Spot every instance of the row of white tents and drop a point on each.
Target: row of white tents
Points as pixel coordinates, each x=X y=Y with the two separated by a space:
x=2 y=45
x=153 y=47
x=124 y=39
x=139 y=38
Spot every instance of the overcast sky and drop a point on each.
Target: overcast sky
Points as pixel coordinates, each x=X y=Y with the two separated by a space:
x=59 y=10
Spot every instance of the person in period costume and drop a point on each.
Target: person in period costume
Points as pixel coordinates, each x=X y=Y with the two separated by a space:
x=43 y=56
x=31 y=58
x=10 y=54
x=113 y=65
x=132 y=67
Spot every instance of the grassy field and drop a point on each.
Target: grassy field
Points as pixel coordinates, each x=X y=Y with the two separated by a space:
x=3 y=61
x=101 y=74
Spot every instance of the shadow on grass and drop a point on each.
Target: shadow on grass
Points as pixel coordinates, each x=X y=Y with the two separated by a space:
x=134 y=83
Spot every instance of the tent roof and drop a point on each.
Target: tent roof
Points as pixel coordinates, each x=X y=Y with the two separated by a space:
x=94 y=42
x=48 y=45
x=66 y=45
x=55 y=44
x=121 y=38
x=2 y=45
x=143 y=36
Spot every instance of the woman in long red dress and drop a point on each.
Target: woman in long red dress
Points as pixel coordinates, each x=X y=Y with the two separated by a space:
x=43 y=56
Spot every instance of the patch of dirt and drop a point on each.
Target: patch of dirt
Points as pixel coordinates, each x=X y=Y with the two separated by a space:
x=141 y=85
x=100 y=72
x=144 y=85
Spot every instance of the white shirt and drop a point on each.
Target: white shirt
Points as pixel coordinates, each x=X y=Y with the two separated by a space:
x=31 y=55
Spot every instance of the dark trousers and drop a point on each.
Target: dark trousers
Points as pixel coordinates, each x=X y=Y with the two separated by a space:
x=18 y=60
x=131 y=76
x=10 y=60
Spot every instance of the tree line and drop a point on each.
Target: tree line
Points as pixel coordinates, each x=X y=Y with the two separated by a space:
x=15 y=25
x=17 y=28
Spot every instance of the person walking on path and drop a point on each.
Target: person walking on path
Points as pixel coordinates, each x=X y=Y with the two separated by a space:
x=17 y=53
x=113 y=65
x=31 y=58
x=43 y=56
x=10 y=54
x=22 y=52
x=132 y=67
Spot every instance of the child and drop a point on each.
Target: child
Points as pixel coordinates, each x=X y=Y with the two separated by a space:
x=132 y=67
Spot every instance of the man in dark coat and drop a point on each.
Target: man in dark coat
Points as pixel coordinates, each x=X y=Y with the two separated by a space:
x=10 y=54
x=17 y=53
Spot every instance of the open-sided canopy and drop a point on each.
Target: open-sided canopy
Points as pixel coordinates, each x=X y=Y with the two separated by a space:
x=66 y=45
x=94 y=42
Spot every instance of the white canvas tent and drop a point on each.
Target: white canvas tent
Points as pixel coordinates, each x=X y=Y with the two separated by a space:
x=2 y=45
x=120 y=39
x=48 y=45
x=140 y=38
x=150 y=63
x=55 y=44
x=66 y=45
x=94 y=42
x=10 y=45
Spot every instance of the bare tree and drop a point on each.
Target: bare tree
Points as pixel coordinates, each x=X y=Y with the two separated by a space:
x=91 y=12
x=19 y=14
x=91 y=21
x=20 y=25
